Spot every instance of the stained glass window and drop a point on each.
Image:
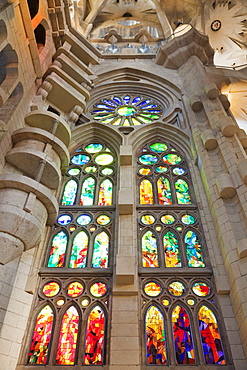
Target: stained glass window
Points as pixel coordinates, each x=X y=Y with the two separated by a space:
x=66 y=350
x=58 y=249
x=171 y=249
x=126 y=111
x=210 y=337
x=100 y=250
x=149 y=250
x=78 y=256
x=146 y=192
x=95 y=341
x=69 y=193
x=41 y=337
x=193 y=250
x=155 y=337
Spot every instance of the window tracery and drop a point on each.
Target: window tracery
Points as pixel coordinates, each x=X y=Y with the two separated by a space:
x=179 y=309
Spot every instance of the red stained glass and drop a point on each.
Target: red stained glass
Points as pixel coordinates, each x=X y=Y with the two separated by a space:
x=66 y=350
x=41 y=337
x=94 y=345
x=146 y=192
x=210 y=337
x=51 y=289
x=75 y=289
x=164 y=191
x=183 y=342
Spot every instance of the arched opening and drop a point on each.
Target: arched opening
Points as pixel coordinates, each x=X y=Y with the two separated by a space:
x=33 y=6
x=40 y=36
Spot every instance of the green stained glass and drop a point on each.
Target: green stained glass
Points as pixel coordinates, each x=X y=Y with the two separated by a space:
x=126 y=111
x=172 y=159
x=148 y=159
x=188 y=219
x=171 y=249
x=104 y=159
x=69 y=193
x=78 y=256
x=105 y=193
x=167 y=219
x=93 y=148
x=100 y=251
x=164 y=191
x=90 y=169
x=161 y=169
x=193 y=250
x=147 y=219
x=158 y=147
x=74 y=171
x=87 y=193
x=182 y=192
x=80 y=159
x=58 y=249
x=83 y=220
x=149 y=250
x=107 y=171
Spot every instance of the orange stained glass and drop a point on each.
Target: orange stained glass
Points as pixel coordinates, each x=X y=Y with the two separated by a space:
x=51 y=289
x=146 y=192
x=105 y=193
x=94 y=344
x=66 y=350
x=149 y=250
x=164 y=191
x=41 y=337
x=155 y=337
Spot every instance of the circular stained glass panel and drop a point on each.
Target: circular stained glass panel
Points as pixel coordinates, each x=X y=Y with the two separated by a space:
x=104 y=159
x=165 y=302
x=158 y=147
x=51 y=289
x=126 y=111
x=167 y=219
x=83 y=220
x=98 y=289
x=103 y=220
x=147 y=219
x=178 y=171
x=93 y=148
x=64 y=219
x=90 y=169
x=172 y=159
x=148 y=159
x=161 y=169
x=60 y=302
x=144 y=171
x=85 y=302
x=152 y=289
x=191 y=302
x=80 y=159
x=176 y=288
x=201 y=289
x=74 y=171
x=107 y=171
x=75 y=289
x=188 y=219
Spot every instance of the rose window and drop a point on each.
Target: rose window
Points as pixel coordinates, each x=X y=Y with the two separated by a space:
x=126 y=110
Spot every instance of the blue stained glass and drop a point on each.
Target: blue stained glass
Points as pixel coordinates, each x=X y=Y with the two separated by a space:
x=103 y=106
x=193 y=250
x=136 y=100
x=80 y=159
x=117 y=100
x=64 y=219
x=150 y=111
x=109 y=102
x=151 y=106
x=143 y=103
x=148 y=159
x=127 y=99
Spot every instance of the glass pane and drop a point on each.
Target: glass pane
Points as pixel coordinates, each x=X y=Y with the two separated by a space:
x=105 y=193
x=176 y=288
x=78 y=256
x=210 y=337
x=51 y=289
x=80 y=159
x=41 y=337
x=75 y=289
x=152 y=289
x=182 y=192
x=64 y=219
x=172 y=159
x=147 y=219
x=193 y=250
x=149 y=250
x=98 y=289
x=104 y=159
x=94 y=344
x=183 y=342
x=93 y=148
x=171 y=249
x=201 y=289
x=158 y=147
x=100 y=250
x=167 y=219
x=148 y=159
x=155 y=337
x=164 y=191
x=69 y=193
x=66 y=350
x=146 y=192
x=58 y=249
x=87 y=192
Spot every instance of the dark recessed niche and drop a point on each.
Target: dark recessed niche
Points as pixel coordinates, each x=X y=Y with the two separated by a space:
x=33 y=6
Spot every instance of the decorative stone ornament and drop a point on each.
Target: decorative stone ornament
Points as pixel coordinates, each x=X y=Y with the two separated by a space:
x=225 y=186
x=228 y=127
x=216 y=25
x=242 y=168
x=209 y=140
